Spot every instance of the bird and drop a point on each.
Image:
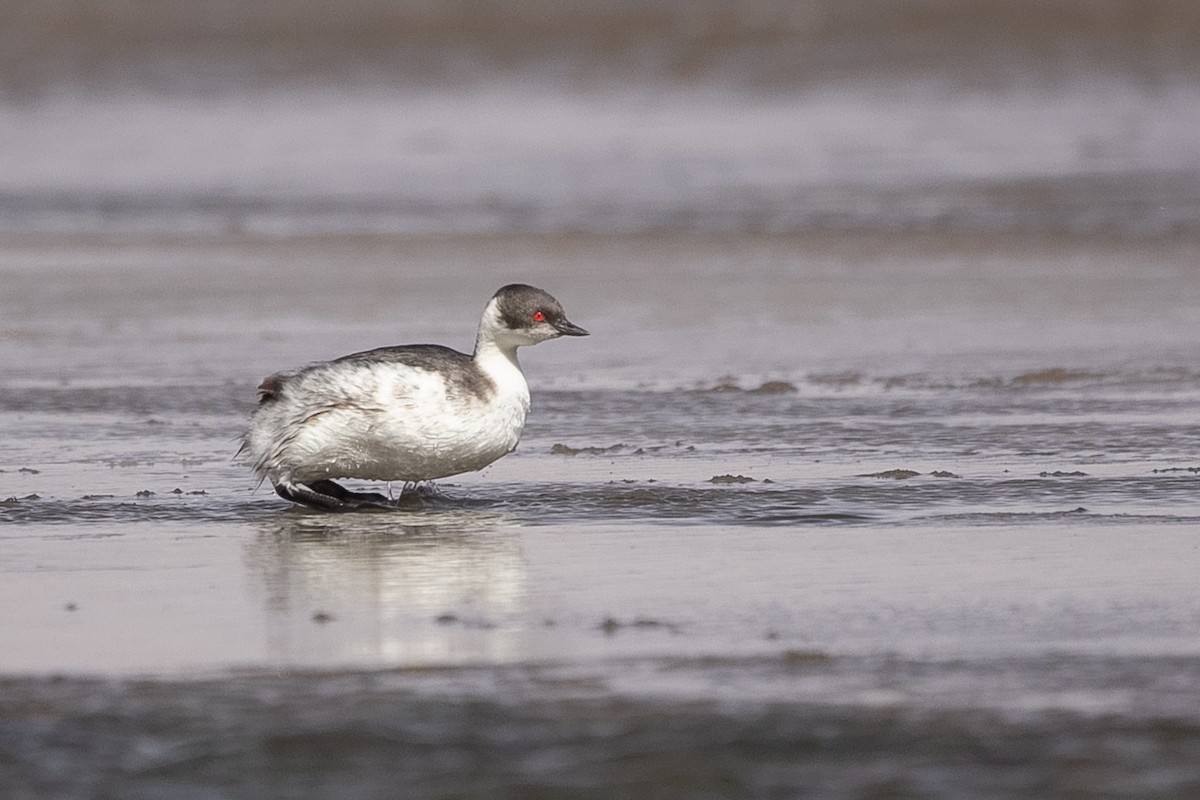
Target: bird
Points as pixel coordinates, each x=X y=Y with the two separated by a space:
x=408 y=413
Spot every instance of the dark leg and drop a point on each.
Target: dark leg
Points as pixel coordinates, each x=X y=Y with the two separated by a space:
x=302 y=495
x=329 y=496
x=345 y=495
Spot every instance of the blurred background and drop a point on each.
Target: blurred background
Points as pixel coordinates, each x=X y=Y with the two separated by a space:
x=704 y=183
x=530 y=116
x=925 y=271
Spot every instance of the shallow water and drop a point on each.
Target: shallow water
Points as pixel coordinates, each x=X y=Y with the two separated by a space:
x=876 y=478
x=769 y=531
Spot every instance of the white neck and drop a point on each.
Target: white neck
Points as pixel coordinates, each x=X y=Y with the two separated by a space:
x=487 y=349
x=498 y=360
x=494 y=338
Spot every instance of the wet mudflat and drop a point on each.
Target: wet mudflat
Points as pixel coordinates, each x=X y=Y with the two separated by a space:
x=877 y=476
x=843 y=563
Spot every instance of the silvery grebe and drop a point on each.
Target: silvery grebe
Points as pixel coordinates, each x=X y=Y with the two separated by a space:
x=410 y=413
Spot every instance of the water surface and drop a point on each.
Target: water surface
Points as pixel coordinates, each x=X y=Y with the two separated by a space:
x=877 y=476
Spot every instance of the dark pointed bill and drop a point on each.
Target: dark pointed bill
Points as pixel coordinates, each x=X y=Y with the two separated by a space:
x=568 y=328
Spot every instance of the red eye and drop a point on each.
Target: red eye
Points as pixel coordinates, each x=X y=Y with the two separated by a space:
x=539 y=316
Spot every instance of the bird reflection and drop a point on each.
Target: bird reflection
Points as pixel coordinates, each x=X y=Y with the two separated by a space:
x=390 y=589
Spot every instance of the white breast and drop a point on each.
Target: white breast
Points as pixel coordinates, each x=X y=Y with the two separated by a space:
x=392 y=422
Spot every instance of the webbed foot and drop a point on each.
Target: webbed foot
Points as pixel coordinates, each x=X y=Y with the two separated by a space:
x=346 y=496
x=329 y=496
